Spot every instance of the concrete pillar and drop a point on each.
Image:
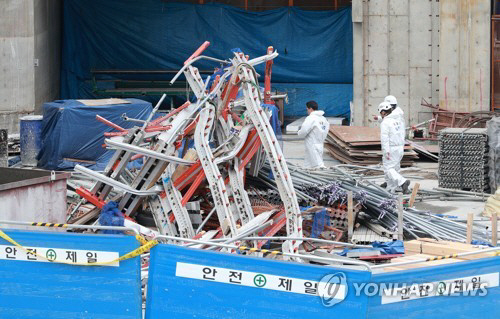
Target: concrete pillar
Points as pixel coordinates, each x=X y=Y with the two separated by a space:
x=464 y=52
x=29 y=60
x=357 y=112
x=17 y=77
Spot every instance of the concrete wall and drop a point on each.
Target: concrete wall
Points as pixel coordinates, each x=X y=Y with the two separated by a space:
x=395 y=45
x=47 y=51
x=465 y=55
x=23 y=86
x=407 y=49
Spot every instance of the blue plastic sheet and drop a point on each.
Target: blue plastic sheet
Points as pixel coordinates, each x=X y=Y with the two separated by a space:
x=333 y=99
x=386 y=248
x=390 y=247
x=315 y=47
x=320 y=220
x=70 y=130
x=111 y=216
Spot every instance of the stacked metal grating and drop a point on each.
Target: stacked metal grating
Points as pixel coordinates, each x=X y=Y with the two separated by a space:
x=463 y=159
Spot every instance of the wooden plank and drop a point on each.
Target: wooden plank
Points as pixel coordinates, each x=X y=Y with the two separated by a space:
x=447 y=248
x=470 y=222
x=494 y=229
x=419 y=265
x=99 y=102
x=356 y=133
x=414 y=194
x=413 y=246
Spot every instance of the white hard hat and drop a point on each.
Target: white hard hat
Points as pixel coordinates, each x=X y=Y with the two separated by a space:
x=384 y=106
x=391 y=99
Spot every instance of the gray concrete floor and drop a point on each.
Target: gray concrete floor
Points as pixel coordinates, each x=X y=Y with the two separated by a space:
x=425 y=171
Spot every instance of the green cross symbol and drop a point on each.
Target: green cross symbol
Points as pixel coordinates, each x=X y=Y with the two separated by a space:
x=259 y=280
x=441 y=288
x=51 y=255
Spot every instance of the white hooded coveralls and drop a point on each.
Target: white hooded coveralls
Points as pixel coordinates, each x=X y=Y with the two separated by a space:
x=392 y=138
x=314 y=130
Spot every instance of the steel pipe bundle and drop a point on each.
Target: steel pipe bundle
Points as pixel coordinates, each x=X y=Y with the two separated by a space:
x=379 y=204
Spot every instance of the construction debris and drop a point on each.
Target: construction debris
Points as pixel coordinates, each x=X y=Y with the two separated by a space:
x=360 y=145
x=213 y=176
x=443 y=118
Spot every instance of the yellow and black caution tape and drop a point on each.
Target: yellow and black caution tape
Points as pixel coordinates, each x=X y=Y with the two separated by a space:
x=496 y=253
x=145 y=246
x=50 y=225
x=141 y=239
x=442 y=257
x=257 y=250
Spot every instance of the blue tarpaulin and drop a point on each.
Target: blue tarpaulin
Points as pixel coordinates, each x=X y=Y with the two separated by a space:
x=386 y=248
x=70 y=131
x=315 y=47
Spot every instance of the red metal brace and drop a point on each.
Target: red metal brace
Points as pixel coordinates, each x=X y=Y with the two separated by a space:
x=198 y=51
x=267 y=79
x=192 y=188
x=279 y=220
x=190 y=127
x=157 y=128
x=236 y=118
x=90 y=197
x=111 y=134
x=184 y=177
x=136 y=156
x=109 y=123
x=250 y=139
x=163 y=118
x=214 y=84
x=231 y=90
x=245 y=158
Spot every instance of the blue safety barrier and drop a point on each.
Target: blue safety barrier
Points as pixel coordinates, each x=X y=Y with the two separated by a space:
x=33 y=289
x=176 y=287
x=441 y=306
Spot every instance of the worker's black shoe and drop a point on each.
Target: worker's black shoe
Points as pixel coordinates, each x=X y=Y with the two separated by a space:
x=405 y=187
x=383 y=185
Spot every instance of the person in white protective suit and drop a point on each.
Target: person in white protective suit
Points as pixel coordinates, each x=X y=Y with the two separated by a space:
x=398 y=112
x=392 y=138
x=314 y=130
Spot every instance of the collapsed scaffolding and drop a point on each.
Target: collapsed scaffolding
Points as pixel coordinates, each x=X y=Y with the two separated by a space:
x=213 y=171
x=229 y=129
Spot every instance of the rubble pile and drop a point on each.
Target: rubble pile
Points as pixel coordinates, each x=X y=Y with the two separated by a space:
x=213 y=171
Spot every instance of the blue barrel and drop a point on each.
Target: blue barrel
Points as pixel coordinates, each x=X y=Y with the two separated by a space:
x=31 y=138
